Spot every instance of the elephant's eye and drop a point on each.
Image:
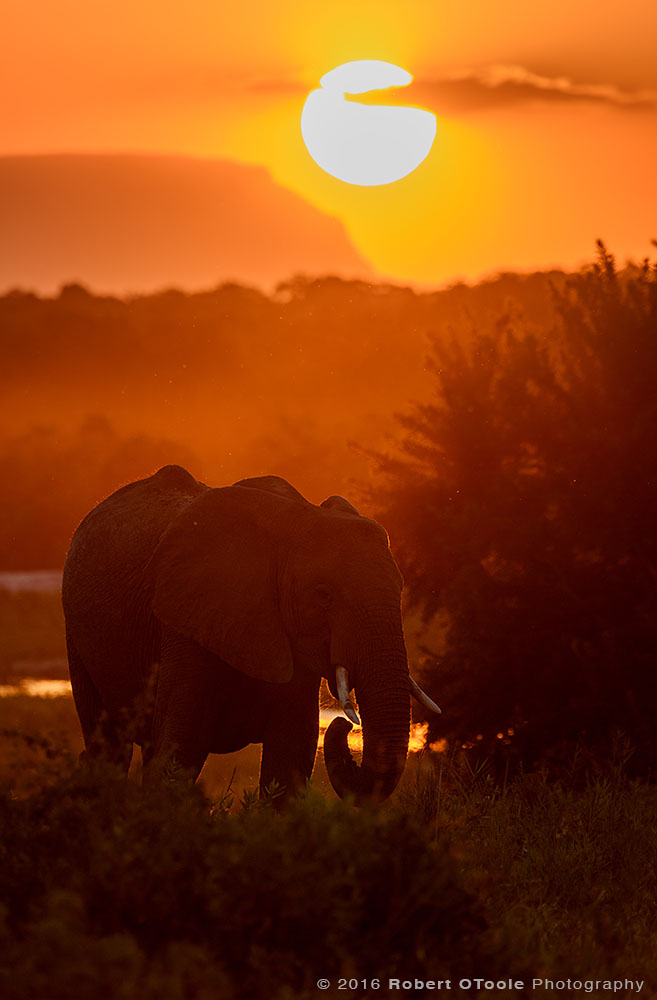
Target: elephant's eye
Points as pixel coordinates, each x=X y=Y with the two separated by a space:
x=322 y=593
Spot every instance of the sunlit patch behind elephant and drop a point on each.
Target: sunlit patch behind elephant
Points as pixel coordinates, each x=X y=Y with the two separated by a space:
x=232 y=604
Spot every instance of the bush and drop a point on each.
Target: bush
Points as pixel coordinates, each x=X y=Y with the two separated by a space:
x=111 y=894
x=521 y=507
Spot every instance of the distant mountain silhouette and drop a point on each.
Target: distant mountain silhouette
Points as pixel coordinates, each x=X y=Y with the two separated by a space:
x=122 y=223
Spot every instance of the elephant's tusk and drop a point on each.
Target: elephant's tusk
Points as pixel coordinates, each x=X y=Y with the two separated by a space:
x=423 y=698
x=342 y=678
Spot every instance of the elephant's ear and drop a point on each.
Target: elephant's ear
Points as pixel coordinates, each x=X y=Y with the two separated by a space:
x=339 y=504
x=215 y=575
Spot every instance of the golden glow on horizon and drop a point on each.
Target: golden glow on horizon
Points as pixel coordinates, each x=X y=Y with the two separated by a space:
x=364 y=144
x=418 y=229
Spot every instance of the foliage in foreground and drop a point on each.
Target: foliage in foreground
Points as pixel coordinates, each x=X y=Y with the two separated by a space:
x=565 y=869
x=107 y=893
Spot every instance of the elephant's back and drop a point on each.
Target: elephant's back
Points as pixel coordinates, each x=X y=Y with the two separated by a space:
x=106 y=568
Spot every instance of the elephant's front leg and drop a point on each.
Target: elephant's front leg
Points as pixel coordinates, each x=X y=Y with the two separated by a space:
x=290 y=738
x=185 y=709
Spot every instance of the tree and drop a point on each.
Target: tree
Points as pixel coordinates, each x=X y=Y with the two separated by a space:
x=522 y=503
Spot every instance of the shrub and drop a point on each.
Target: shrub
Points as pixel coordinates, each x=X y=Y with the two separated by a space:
x=107 y=891
x=521 y=507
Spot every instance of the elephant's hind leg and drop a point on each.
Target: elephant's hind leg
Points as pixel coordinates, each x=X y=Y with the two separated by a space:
x=186 y=709
x=86 y=696
x=103 y=735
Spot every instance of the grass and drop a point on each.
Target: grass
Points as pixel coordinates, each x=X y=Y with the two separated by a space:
x=105 y=892
x=566 y=870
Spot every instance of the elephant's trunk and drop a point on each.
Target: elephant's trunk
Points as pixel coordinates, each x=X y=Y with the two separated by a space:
x=385 y=713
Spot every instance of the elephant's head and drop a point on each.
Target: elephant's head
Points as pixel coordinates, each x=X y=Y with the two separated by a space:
x=273 y=584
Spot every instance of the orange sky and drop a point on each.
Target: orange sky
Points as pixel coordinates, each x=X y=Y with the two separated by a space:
x=547 y=114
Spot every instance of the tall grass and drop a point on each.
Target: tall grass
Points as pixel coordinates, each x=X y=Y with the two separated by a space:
x=566 y=869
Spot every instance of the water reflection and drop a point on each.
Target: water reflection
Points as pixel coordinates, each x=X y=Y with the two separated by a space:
x=36 y=688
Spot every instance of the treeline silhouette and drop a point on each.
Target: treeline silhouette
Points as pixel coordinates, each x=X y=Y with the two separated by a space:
x=302 y=383
x=522 y=505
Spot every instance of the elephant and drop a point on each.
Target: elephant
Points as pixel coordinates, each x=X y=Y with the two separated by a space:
x=211 y=615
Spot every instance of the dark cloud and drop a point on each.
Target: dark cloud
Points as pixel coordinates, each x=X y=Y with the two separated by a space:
x=500 y=86
x=489 y=88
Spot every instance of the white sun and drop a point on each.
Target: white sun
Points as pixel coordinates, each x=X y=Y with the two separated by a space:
x=365 y=144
